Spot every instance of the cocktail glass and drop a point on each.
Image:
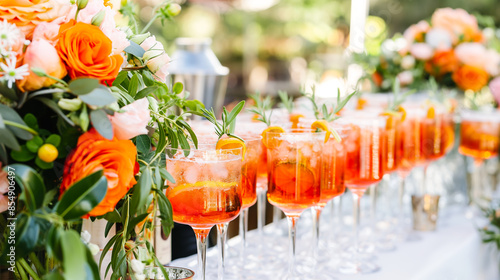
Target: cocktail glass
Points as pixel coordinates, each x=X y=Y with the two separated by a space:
x=207 y=190
x=294 y=166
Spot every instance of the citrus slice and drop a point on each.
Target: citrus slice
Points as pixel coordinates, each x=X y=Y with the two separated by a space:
x=431 y=112
x=292 y=178
x=255 y=118
x=361 y=103
x=232 y=143
x=391 y=116
x=323 y=125
x=271 y=141
x=294 y=119
x=403 y=113
x=173 y=191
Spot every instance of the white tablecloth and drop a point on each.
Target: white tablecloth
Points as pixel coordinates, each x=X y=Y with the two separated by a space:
x=453 y=252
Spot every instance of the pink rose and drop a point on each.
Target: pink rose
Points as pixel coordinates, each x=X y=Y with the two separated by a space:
x=108 y=24
x=405 y=78
x=4 y=188
x=415 y=31
x=155 y=57
x=41 y=54
x=48 y=31
x=473 y=54
x=421 y=51
x=492 y=62
x=457 y=22
x=495 y=88
x=133 y=121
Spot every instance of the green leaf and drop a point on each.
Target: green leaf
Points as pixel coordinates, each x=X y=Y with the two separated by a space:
x=3 y=154
x=113 y=216
x=52 y=105
x=53 y=275
x=189 y=130
x=27 y=233
x=8 y=92
x=73 y=256
x=236 y=110
x=23 y=155
x=101 y=123
x=134 y=221
x=7 y=137
x=42 y=164
x=91 y=268
x=49 y=196
x=148 y=78
x=100 y=96
x=183 y=142
x=31 y=183
x=166 y=175
x=31 y=121
x=141 y=190
x=120 y=78
x=82 y=196
x=54 y=249
x=108 y=246
x=145 y=92
x=143 y=143
x=34 y=144
x=178 y=88
x=135 y=50
x=194 y=105
x=133 y=85
x=53 y=139
x=165 y=212
x=82 y=86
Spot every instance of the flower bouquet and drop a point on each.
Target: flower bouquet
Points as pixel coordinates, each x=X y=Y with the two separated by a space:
x=85 y=117
x=450 y=48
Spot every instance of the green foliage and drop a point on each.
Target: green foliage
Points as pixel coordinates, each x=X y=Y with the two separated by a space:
x=228 y=118
x=262 y=107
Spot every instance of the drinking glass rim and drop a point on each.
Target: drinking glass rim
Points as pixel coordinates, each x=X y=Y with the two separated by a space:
x=233 y=152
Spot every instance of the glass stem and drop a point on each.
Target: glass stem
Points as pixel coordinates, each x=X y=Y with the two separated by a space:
x=261 y=211
x=316 y=213
x=373 y=200
x=222 y=234
x=356 y=223
x=276 y=217
x=424 y=179
x=401 y=193
x=243 y=232
x=201 y=243
x=292 y=222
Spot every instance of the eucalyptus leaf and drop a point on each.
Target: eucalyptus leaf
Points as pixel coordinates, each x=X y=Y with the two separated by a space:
x=143 y=143
x=73 y=256
x=100 y=97
x=8 y=114
x=82 y=86
x=31 y=184
x=135 y=49
x=82 y=196
x=101 y=123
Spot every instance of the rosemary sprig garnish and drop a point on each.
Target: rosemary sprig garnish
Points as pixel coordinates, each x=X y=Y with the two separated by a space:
x=399 y=97
x=322 y=112
x=228 y=120
x=286 y=101
x=261 y=107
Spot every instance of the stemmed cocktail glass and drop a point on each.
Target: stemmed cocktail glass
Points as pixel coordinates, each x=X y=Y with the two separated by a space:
x=206 y=191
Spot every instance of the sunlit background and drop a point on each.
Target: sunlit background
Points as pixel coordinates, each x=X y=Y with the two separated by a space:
x=272 y=45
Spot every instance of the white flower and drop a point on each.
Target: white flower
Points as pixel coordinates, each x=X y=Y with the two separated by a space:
x=94 y=249
x=85 y=237
x=439 y=38
x=137 y=266
x=10 y=73
x=9 y=35
x=140 y=276
x=408 y=62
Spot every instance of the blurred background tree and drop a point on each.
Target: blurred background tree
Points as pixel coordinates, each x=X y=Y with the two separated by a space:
x=281 y=45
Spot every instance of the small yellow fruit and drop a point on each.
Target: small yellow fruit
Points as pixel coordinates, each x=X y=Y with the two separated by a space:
x=48 y=153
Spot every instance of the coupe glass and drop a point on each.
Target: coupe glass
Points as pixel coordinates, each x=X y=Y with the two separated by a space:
x=207 y=190
x=294 y=166
x=479 y=140
x=363 y=169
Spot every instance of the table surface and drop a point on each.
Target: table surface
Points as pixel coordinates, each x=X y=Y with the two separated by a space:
x=453 y=252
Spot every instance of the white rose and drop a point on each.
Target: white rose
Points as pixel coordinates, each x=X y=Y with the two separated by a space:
x=439 y=38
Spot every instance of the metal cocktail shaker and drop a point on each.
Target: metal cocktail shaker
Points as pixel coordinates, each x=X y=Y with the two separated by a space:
x=195 y=65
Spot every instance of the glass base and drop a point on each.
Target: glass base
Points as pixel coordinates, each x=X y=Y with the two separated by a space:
x=363 y=267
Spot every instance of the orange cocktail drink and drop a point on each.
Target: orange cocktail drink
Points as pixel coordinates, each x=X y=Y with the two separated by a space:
x=391 y=139
x=206 y=191
x=480 y=134
x=294 y=164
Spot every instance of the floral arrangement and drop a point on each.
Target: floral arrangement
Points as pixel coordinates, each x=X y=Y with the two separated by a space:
x=85 y=116
x=450 y=47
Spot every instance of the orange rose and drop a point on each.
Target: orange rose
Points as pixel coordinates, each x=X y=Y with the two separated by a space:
x=117 y=158
x=470 y=78
x=86 y=51
x=27 y=14
x=441 y=63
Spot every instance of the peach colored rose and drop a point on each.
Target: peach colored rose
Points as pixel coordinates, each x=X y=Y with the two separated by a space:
x=108 y=25
x=405 y=78
x=470 y=78
x=48 y=31
x=4 y=188
x=41 y=54
x=117 y=158
x=441 y=63
x=457 y=22
x=133 y=121
x=416 y=32
x=473 y=54
x=28 y=14
x=421 y=51
x=87 y=52
x=156 y=59
x=495 y=89
x=492 y=63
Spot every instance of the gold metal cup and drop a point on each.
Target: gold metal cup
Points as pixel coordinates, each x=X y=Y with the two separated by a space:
x=425 y=211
